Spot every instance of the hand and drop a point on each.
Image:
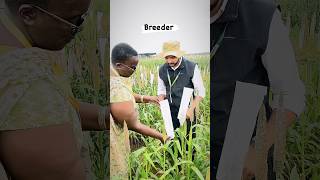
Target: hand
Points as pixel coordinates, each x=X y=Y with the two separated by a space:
x=249 y=170
x=151 y=99
x=161 y=97
x=165 y=138
x=190 y=113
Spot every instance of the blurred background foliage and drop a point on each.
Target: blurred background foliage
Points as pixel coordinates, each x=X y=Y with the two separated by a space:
x=88 y=68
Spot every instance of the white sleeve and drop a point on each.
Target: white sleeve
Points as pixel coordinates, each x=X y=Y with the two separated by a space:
x=280 y=63
x=198 y=83
x=161 y=87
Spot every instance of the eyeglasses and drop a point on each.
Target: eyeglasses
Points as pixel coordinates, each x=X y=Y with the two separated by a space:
x=133 y=68
x=75 y=28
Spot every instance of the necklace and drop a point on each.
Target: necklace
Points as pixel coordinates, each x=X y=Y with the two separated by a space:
x=218 y=44
x=172 y=83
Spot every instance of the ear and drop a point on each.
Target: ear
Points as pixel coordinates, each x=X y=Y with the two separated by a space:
x=27 y=13
x=118 y=65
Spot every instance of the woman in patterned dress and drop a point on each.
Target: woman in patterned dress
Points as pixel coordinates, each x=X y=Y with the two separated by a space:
x=41 y=122
x=123 y=109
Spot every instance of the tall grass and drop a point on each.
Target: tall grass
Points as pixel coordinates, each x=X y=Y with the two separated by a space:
x=89 y=73
x=303 y=139
x=303 y=142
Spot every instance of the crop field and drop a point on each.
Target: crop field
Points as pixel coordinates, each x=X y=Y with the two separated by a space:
x=154 y=160
x=88 y=68
x=302 y=161
x=303 y=142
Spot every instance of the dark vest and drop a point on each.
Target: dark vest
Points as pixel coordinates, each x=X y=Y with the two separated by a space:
x=186 y=70
x=237 y=59
x=239 y=56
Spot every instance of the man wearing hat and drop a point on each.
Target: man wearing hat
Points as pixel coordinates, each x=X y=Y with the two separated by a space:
x=177 y=73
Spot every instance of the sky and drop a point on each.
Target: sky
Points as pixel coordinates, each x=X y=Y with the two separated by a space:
x=192 y=17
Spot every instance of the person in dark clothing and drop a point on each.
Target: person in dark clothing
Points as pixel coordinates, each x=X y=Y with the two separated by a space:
x=174 y=75
x=249 y=43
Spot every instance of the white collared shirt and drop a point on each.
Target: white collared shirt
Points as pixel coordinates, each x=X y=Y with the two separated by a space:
x=196 y=80
x=279 y=55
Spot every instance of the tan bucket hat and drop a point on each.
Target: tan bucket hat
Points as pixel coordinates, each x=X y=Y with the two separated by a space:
x=171 y=48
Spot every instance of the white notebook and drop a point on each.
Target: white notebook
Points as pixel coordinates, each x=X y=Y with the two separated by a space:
x=248 y=99
x=166 y=115
x=184 y=105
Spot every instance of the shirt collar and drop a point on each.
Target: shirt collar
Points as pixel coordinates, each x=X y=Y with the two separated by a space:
x=229 y=12
x=220 y=12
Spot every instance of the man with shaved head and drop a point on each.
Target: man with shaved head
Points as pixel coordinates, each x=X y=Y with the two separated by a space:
x=40 y=127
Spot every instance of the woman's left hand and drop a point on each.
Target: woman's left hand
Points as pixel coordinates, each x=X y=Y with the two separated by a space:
x=151 y=99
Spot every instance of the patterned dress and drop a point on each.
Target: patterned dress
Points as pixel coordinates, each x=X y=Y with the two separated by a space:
x=120 y=91
x=35 y=92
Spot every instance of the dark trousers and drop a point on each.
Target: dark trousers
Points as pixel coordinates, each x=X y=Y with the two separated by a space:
x=176 y=124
